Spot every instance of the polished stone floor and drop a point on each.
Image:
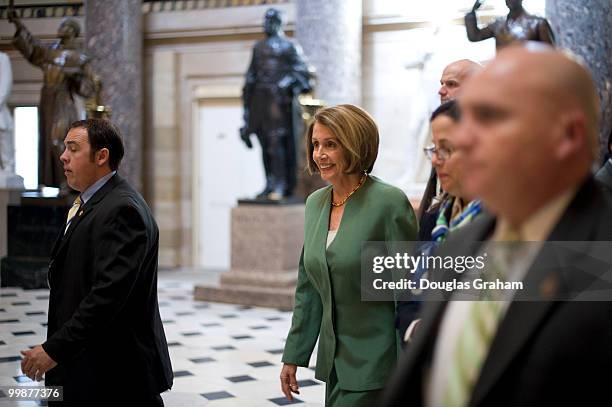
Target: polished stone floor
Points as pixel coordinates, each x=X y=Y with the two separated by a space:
x=222 y=355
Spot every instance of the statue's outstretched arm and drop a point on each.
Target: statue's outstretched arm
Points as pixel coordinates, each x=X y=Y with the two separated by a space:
x=473 y=32
x=11 y=14
x=25 y=42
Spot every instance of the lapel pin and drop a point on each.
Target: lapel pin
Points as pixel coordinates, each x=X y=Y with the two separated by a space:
x=549 y=287
x=80 y=213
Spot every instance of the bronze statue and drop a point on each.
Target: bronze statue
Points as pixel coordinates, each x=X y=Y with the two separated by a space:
x=277 y=74
x=66 y=73
x=518 y=26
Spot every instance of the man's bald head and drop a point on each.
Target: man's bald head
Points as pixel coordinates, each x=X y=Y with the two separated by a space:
x=454 y=76
x=529 y=129
x=559 y=81
x=564 y=78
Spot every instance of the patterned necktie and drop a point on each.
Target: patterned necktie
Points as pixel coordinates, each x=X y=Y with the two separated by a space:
x=476 y=336
x=73 y=210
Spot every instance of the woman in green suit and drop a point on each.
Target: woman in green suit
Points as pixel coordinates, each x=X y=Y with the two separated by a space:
x=358 y=344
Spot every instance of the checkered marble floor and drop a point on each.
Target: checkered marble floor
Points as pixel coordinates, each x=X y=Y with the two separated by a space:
x=222 y=355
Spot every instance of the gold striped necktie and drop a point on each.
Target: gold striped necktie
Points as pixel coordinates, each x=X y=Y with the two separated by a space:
x=74 y=209
x=477 y=334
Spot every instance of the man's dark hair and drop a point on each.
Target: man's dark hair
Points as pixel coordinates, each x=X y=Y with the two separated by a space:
x=450 y=109
x=101 y=133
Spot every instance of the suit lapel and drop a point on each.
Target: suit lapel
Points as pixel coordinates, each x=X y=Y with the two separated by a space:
x=524 y=317
x=58 y=241
x=323 y=229
x=64 y=233
x=318 y=236
x=519 y=324
x=83 y=211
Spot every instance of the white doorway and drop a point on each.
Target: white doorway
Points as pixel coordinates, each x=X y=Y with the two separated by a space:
x=26 y=145
x=226 y=171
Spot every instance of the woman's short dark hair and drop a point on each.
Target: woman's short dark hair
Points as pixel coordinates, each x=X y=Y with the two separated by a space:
x=449 y=109
x=101 y=133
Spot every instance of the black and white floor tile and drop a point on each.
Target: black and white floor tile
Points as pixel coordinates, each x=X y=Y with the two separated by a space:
x=222 y=355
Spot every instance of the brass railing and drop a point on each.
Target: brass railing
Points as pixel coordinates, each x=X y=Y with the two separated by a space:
x=72 y=9
x=47 y=10
x=154 y=6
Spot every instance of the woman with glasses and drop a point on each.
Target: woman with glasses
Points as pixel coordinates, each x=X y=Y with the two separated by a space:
x=450 y=210
x=453 y=208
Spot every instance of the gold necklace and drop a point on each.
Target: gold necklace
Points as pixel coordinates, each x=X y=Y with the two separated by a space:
x=361 y=181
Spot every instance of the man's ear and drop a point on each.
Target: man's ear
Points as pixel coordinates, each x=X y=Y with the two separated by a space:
x=102 y=157
x=574 y=135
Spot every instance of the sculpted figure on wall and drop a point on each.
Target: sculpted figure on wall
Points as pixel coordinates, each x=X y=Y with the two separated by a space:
x=518 y=25
x=66 y=75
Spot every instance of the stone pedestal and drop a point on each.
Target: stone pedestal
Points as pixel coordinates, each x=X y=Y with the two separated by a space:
x=585 y=27
x=114 y=41
x=11 y=181
x=33 y=226
x=10 y=187
x=7 y=197
x=329 y=31
x=265 y=253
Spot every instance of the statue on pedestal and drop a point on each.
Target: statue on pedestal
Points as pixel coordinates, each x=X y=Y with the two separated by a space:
x=277 y=74
x=517 y=26
x=66 y=74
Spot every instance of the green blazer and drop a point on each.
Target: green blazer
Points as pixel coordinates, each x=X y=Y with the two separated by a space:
x=358 y=338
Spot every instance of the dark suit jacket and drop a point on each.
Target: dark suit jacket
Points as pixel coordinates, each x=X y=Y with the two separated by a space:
x=104 y=328
x=604 y=175
x=408 y=310
x=544 y=353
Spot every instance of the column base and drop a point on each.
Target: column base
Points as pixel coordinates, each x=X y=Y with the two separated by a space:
x=280 y=298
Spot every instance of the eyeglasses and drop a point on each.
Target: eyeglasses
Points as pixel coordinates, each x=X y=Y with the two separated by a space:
x=443 y=153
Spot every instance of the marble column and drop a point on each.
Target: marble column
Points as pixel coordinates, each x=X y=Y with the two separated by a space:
x=330 y=33
x=585 y=27
x=114 y=40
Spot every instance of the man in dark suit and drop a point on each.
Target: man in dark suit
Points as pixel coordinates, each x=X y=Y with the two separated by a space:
x=105 y=339
x=529 y=135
